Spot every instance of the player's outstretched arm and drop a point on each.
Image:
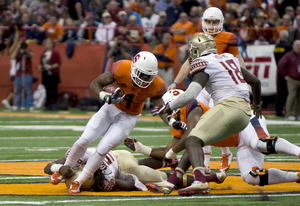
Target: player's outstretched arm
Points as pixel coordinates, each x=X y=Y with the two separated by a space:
x=160 y=101
x=182 y=74
x=254 y=82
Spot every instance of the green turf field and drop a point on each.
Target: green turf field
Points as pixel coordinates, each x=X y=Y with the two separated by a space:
x=47 y=138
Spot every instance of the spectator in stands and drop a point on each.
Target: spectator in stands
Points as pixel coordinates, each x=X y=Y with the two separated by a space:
x=53 y=29
x=25 y=22
x=195 y=11
x=247 y=13
x=229 y=18
x=165 y=54
x=161 y=27
x=23 y=77
x=139 y=6
x=296 y=14
x=105 y=2
x=286 y=24
x=76 y=10
x=119 y=50
x=113 y=9
x=294 y=33
x=134 y=35
x=290 y=11
x=148 y=23
x=23 y=9
x=85 y=35
x=274 y=20
x=246 y=34
x=221 y=4
x=174 y=11
x=180 y=28
x=289 y=68
x=50 y=62
x=121 y=29
x=162 y=5
x=44 y=9
x=34 y=5
x=129 y=12
x=69 y=33
x=197 y=25
x=281 y=48
x=106 y=29
x=249 y=5
x=262 y=35
x=36 y=33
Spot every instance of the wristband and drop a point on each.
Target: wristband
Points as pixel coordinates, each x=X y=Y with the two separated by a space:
x=171 y=154
x=103 y=95
x=175 y=83
x=55 y=167
x=171 y=121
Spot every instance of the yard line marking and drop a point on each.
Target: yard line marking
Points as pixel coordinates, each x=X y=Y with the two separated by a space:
x=16 y=178
x=147 y=198
x=74 y=128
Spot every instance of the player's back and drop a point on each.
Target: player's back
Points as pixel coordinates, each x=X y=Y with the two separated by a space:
x=225 y=77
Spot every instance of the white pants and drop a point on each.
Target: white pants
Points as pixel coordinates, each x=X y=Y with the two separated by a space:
x=116 y=125
x=247 y=155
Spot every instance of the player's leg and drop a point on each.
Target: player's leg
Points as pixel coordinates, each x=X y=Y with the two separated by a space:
x=226 y=159
x=226 y=118
x=207 y=152
x=118 y=131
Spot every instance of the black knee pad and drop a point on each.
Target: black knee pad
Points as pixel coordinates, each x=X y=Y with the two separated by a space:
x=270 y=144
x=263 y=176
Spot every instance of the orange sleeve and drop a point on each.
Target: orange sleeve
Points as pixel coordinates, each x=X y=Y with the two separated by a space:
x=161 y=91
x=158 y=49
x=171 y=52
x=232 y=45
x=46 y=24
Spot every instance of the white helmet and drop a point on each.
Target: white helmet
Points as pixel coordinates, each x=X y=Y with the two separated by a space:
x=212 y=13
x=172 y=95
x=143 y=69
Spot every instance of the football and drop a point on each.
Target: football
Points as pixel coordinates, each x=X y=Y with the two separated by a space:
x=111 y=88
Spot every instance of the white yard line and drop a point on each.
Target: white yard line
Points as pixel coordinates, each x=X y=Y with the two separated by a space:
x=145 y=198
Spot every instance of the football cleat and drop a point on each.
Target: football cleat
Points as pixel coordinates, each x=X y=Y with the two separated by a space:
x=74 y=188
x=160 y=187
x=221 y=176
x=225 y=162
x=195 y=188
x=56 y=178
x=207 y=170
x=128 y=142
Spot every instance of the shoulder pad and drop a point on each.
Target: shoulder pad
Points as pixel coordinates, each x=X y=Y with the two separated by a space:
x=198 y=65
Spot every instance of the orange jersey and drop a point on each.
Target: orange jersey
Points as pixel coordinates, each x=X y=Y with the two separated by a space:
x=58 y=30
x=135 y=8
x=193 y=29
x=135 y=96
x=182 y=116
x=170 y=52
x=178 y=25
x=222 y=3
x=226 y=42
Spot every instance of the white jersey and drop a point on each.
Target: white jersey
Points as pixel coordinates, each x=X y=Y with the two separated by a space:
x=151 y=23
x=225 y=76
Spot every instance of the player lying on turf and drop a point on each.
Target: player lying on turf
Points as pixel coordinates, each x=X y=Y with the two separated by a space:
x=188 y=116
x=253 y=142
x=120 y=170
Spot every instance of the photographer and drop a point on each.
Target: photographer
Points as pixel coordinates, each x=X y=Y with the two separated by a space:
x=23 y=77
x=50 y=62
x=119 y=51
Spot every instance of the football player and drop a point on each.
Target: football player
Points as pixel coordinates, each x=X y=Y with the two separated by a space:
x=227 y=84
x=120 y=170
x=138 y=80
x=189 y=116
x=226 y=42
x=252 y=144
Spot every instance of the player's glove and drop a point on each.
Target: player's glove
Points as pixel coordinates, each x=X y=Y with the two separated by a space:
x=179 y=125
x=113 y=98
x=160 y=109
x=65 y=171
x=257 y=110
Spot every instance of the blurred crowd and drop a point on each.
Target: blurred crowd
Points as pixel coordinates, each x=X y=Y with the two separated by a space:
x=139 y=21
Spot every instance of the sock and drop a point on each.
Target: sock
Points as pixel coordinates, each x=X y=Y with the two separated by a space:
x=94 y=162
x=75 y=154
x=278 y=176
x=212 y=178
x=199 y=174
x=207 y=152
x=140 y=148
x=283 y=146
x=176 y=176
x=225 y=150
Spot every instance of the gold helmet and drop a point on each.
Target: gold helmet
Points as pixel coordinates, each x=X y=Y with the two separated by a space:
x=87 y=185
x=202 y=44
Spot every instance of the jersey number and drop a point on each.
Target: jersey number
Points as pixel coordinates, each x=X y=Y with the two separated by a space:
x=129 y=98
x=233 y=71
